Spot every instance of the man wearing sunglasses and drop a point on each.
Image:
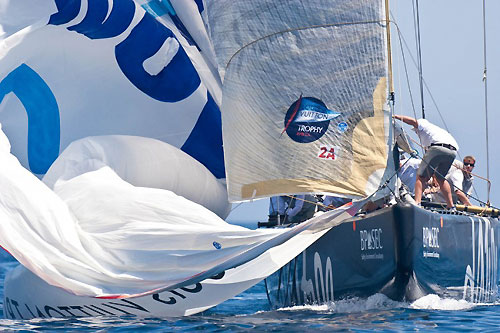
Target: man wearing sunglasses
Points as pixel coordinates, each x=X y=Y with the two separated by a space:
x=460 y=179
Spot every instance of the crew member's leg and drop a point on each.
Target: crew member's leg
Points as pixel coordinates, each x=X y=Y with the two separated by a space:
x=424 y=172
x=445 y=161
x=446 y=190
x=419 y=187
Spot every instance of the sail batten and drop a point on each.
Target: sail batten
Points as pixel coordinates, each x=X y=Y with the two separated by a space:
x=304 y=106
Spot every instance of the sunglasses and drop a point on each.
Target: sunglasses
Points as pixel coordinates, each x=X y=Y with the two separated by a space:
x=469 y=164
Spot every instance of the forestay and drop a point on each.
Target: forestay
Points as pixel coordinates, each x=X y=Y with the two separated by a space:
x=304 y=106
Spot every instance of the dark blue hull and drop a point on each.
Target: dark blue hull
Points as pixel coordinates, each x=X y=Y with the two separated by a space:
x=403 y=251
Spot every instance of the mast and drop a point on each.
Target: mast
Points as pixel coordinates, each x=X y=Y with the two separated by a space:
x=389 y=52
x=486 y=102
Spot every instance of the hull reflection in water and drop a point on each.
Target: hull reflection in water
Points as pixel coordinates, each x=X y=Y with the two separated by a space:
x=401 y=251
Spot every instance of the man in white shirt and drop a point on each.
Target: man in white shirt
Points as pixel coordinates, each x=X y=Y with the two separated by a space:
x=460 y=179
x=440 y=151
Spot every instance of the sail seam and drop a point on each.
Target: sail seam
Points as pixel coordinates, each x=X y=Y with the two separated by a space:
x=299 y=29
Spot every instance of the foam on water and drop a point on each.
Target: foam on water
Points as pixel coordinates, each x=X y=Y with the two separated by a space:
x=250 y=310
x=434 y=302
x=351 y=305
x=381 y=302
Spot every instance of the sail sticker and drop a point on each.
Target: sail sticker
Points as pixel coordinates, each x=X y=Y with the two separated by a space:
x=307 y=119
x=342 y=126
x=327 y=153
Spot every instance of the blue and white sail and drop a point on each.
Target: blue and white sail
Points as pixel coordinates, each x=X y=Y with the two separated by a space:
x=305 y=91
x=71 y=69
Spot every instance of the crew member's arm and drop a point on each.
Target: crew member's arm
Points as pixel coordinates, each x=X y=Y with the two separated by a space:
x=299 y=202
x=407 y=120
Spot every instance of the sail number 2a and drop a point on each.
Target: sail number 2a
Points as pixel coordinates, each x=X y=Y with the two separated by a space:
x=327 y=153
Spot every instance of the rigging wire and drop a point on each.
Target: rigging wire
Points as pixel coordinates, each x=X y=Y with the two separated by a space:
x=419 y=53
x=405 y=66
x=402 y=39
x=233 y=208
x=420 y=72
x=389 y=53
x=486 y=101
x=422 y=82
x=427 y=89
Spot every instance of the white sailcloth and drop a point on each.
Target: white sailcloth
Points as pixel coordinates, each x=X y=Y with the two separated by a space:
x=142 y=162
x=97 y=235
x=304 y=95
x=72 y=69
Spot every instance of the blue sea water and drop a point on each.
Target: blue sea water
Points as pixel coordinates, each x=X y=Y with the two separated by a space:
x=251 y=311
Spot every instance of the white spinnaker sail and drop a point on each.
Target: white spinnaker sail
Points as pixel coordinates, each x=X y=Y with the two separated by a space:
x=97 y=235
x=304 y=96
x=142 y=162
x=72 y=69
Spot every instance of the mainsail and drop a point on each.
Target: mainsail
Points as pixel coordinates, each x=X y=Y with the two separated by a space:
x=305 y=90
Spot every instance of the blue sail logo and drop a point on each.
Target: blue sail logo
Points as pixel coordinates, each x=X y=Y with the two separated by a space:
x=43 y=115
x=307 y=119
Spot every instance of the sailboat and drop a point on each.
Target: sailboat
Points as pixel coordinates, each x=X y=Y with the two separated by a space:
x=307 y=109
x=403 y=251
x=305 y=104
x=123 y=126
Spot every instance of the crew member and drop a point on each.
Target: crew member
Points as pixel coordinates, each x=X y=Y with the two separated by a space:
x=440 y=151
x=408 y=168
x=301 y=208
x=461 y=179
x=277 y=208
x=332 y=202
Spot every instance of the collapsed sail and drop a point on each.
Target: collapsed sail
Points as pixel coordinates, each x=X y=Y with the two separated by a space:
x=71 y=69
x=97 y=235
x=142 y=162
x=304 y=104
